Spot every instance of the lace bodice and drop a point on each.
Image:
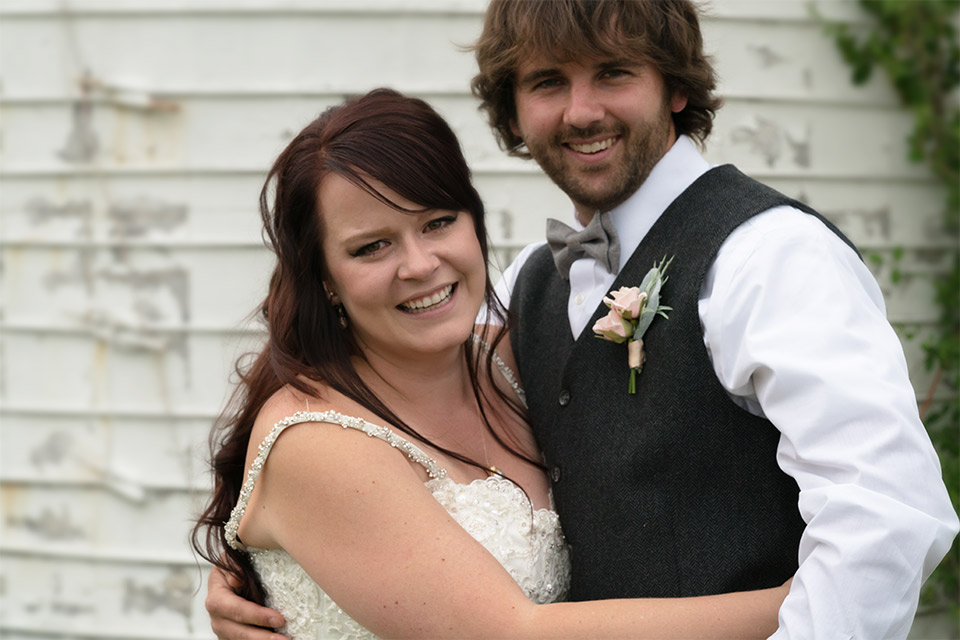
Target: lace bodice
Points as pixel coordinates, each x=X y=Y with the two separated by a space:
x=527 y=542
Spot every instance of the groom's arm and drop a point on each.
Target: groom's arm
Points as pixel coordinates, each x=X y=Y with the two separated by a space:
x=796 y=327
x=232 y=617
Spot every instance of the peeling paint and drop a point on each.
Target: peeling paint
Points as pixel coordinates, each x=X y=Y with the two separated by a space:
x=80 y=274
x=135 y=218
x=53 y=450
x=49 y=524
x=767 y=56
x=57 y=605
x=115 y=331
x=42 y=211
x=128 y=97
x=174 y=593
x=174 y=279
x=120 y=483
x=763 y=138
x=874 y=222
x=82 y=142
x=800 y=147
x=147 y=310
x=767 y=138
x=143 y=309
x=67 y=608
x=120 y=137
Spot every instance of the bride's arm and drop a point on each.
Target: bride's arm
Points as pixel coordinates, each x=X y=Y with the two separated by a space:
x=355 y=514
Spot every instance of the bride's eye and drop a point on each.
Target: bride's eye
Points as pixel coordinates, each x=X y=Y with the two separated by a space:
x=369 y=249
x=440 y=223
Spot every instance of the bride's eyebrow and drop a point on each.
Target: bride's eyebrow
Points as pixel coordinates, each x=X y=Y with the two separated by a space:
x=365 y=235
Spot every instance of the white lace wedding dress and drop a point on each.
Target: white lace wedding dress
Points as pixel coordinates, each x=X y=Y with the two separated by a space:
x=528 y=543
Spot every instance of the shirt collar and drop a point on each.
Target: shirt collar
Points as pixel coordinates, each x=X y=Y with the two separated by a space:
x=677 y=169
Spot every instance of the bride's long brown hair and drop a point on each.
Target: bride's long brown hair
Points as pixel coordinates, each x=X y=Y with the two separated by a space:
x=404 y=144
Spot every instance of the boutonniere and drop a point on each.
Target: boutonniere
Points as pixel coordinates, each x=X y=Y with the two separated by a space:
x=632 y=309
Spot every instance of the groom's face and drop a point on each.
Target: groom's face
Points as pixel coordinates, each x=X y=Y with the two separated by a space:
x=596 y=127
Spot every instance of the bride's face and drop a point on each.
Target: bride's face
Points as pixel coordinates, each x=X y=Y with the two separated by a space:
x=411 y=283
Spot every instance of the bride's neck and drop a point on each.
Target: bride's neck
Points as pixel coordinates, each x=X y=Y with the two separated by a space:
x=436 y=381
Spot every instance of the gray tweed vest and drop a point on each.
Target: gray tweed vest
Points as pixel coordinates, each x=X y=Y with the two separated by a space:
x=674 y=491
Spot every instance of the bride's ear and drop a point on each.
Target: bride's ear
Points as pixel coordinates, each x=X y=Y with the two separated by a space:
x=331 y=295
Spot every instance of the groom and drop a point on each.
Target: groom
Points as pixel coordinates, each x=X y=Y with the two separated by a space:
x=776 y=382
x=773 y=431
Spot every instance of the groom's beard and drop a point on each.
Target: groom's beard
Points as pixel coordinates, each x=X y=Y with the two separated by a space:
x=643 y=146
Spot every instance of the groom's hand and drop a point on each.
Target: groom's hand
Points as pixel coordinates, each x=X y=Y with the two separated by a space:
x=232 y=617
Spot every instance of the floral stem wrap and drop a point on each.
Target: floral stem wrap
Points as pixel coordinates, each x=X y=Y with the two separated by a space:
x=632 y=309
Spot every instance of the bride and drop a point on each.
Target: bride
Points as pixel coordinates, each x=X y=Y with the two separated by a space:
x=376 y=476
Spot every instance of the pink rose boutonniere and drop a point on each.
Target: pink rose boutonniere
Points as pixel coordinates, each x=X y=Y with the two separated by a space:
x=632 y=309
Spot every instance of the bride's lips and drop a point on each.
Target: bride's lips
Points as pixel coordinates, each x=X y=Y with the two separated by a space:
x=430 y=301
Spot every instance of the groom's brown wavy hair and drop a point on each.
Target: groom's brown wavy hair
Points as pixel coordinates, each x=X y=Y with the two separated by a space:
x=664 y=33
x=404 y=144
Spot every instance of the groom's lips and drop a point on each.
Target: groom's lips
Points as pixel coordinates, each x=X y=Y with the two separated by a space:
x=593 y=147
x=593 y=151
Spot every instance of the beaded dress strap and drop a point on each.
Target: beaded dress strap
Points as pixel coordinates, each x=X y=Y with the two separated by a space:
x=505 y=371
x=347 y=422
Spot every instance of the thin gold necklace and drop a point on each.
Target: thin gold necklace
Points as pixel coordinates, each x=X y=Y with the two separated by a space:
x=490 y=469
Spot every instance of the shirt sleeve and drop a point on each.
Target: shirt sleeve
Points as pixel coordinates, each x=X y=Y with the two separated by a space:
x=797 y=331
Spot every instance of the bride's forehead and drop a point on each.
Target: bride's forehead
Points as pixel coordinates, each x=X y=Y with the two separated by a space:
x=356 y=189
x=339 y=194
x=349 y=211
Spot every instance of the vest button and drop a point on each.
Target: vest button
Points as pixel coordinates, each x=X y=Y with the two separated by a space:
x=555 y=474
x=564 y=398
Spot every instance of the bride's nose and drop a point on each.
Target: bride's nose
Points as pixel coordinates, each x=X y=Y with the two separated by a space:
x=419 y=260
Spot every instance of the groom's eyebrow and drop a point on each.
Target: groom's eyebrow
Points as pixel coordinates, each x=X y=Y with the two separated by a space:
x=536 y=75
x=618 y=63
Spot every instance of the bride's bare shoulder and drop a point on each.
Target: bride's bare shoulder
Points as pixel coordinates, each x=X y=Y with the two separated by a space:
x=496 y=336
x=289 y=400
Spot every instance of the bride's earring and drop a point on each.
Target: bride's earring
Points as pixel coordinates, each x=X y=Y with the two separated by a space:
x=341 y=312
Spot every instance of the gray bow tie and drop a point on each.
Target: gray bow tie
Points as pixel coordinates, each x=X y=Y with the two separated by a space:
x=599 y=241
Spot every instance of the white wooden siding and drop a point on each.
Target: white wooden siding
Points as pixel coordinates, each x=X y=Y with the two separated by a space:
x=135 y=137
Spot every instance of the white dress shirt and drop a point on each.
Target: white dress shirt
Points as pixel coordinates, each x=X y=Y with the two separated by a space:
x=783 y=296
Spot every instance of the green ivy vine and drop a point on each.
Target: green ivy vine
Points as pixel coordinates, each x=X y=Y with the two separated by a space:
x=915 y=43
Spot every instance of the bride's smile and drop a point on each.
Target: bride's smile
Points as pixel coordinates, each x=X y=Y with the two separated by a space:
x=429 y=302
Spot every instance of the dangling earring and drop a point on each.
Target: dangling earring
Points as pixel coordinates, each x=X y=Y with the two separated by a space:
x=341 y=312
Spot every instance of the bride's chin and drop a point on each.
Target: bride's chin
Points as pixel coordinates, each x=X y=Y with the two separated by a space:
x=434 y=343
